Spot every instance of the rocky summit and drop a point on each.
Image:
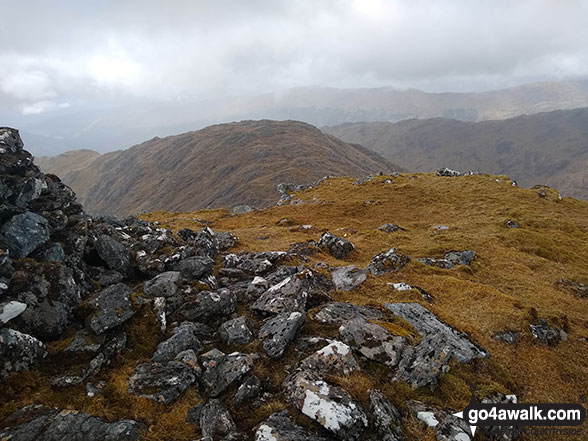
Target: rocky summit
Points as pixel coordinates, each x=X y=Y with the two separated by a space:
x=343 y=313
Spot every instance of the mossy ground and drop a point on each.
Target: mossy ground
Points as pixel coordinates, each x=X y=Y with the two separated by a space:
x=511 y=283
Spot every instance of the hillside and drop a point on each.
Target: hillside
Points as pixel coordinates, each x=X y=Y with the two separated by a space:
x=548 y=148
x=117 y=128
x=220 y=166
x=67 y=163
x=355 y=312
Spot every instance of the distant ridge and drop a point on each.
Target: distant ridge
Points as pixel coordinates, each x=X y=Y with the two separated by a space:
x=548 y=148
x=220 y=166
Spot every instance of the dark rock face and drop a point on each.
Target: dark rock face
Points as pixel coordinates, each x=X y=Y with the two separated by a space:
x=18 y=351
x=24 y=233
x=183 y=338
x=238 y=330
x=49 y=424
x=510 y=337
x=219 y=370
x=163 y=383
x=164 y=285
x=277 y=332
x=115 y=254
x=578 y=288
x=216 y=421
x=347 y=278
x=194 y=268
x=208 y=306
x=337 y=246
x=293 y=293
x=279 y=426
x=387 y=261
x=250 y=389
x=114 y=307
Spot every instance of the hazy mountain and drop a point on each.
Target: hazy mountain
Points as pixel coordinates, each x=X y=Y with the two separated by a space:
x=109 y=128
x=548 y=148
x=222 y=165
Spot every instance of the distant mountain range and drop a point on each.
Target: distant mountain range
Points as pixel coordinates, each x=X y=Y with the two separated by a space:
x=220 y=166
x=548 y=148
x=111 y=128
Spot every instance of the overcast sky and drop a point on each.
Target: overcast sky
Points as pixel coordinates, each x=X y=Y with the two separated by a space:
x=62 y=54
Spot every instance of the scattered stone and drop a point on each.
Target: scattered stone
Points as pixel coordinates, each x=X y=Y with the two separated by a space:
x=159 y=307
x=510 y=337
x=440 y=227
x=280 y=427
x=453 y=428
x=305 y=249
x=162 y=383
x=114 y=254
x=10 y=310
x=425 y=322
x=237 y=331
x=23 y=233
x=110 y=277
x=216 y=421
x=336 y=313
x=335 y=358
x=447 y=172
x=580 y=289
x=330 y=406
x=428 y=418
x=194 y=268
x=208 y=305
x=18 y=351
x=347 y=278
x=114 y=308
x=250 y=389
x=337 y=246
x=387 y=261
x=373 y=341
x=219 y=370
x=242 y=209
x=164 y=285
x=50 y=424
x=93 y=389
x=387 y=418
x=277 y=332
x=424 y=364
x=183 y=338
x=293 y=293
x=85 y=341
x=450 y=259
x=547 y=335
x=390 y=228
x=511 y=223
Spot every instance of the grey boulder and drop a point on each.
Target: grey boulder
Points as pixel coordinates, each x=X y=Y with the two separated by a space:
x=277 y=332
x=183 y=338
x=237 y=331
x=162 y=383
x=387 y=261
x=279 y=426
x=114 y=254
x=336 y=313
x=23 y=233
x=216 y=421
x=164 y=285
x=18 y=351
x=337 y=246
x=219 y=370
x=114 y=308
x=347 y=278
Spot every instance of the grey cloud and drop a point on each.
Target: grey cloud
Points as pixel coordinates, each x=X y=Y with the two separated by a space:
x=57 y=53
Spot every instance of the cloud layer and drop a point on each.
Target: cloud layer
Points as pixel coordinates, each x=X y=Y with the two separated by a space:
x=72 y=53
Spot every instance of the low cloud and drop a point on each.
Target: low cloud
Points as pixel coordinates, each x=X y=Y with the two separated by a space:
x=80 y=52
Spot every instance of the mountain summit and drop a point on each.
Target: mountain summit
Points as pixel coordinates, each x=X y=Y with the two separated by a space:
x=221 y=165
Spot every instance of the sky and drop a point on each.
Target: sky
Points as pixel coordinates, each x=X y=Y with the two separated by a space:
x=58 y=56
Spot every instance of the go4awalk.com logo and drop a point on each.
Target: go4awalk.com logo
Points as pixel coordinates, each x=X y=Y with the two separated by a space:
x=563 y=418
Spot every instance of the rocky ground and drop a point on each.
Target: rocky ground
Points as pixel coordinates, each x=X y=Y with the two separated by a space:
x=119 y=329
